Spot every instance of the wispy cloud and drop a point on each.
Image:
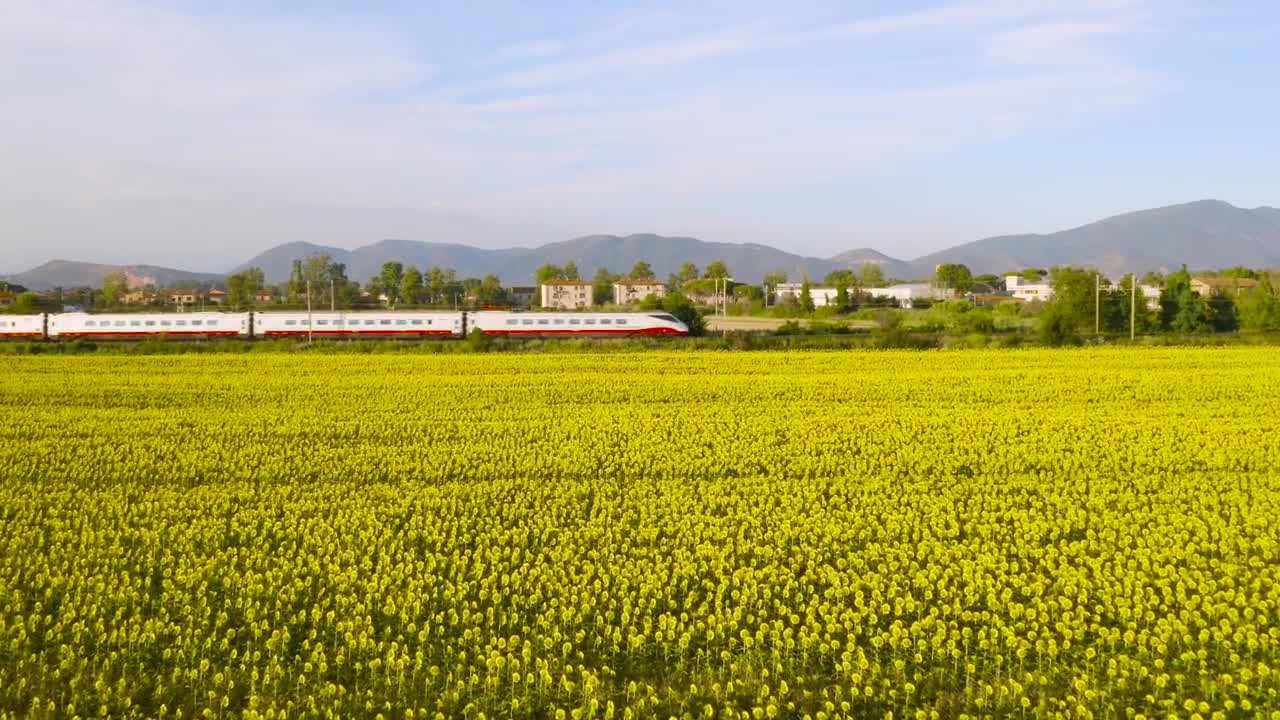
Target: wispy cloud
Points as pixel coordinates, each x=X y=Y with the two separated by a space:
x=686 y=110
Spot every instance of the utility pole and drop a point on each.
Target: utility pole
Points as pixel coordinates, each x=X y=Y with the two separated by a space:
x=333 y=296
x=1133 y=306
x=1097 y=303
x=308 y=312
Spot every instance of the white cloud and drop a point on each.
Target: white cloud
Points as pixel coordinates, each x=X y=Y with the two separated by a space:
x=114 y=108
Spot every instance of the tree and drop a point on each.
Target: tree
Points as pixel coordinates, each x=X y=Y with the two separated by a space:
x=716 y=269
x=602 y=286
x=436 y=280
x=954 y=276
x=1223 y=315
x=549 y=272
x=297 y=281
x=1117 y=305
x=640 y=271
x=806 y=298
x=1239 y=272
x=688 y=271
x=27 y=303
x=242 y=286
x=114 y=286
x=1260 y=310
x=341 y=284
x=1057 y=326
x=870 y=275
x=570 y=270
x=411 y=286
x=491 y=291
x=680 y=307
x=1073 y=295
x=837 y=278
x=774 y=279
x=390 y=279
x=1181 y=310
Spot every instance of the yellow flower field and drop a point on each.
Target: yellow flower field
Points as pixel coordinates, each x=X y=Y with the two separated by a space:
x=1036 y=533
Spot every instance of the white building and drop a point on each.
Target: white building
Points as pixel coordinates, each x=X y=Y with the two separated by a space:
x=1028 y=290
x=629 y=291
x=822 y=296
x=907 y=294
x=566 y=294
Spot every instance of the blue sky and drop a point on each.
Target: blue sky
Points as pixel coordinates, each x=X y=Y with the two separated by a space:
x=200 y=133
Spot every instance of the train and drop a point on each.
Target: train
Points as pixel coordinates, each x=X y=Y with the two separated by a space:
x=337 y=324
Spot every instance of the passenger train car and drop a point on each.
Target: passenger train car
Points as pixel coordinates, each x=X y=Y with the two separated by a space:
x=197 y=324
x=22 y=326
x=384 y=324
x=407 y=323
x=573 y=323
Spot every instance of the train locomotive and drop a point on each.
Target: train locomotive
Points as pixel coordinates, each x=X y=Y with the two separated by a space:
x=364 y=324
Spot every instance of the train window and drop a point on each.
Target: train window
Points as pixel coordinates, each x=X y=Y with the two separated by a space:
x=526 y=322
x=337 y=323
x=417 y=321
x=120 y=323
x=88 y=323
x=182 y=323
x=543 y=321
x=622 y=321
x=199 y=322
x=606 y=321
x=589 y=321
x=512 y=321
x=322 y=322
x=165 y=323
x=664 y=316
x=135 y=323
x=402 y=322
x=386 y=322
x=575 y=321
x=151 y=323
x=559 y=321
x=290 y=322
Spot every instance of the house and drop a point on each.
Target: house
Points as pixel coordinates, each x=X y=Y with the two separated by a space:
x=630 y=291
x=1206 y=286
x=181 y=297
x=566 y=294
x=7 y=298
x=907 y=295
x=821 y=296
x=263 y=297
x=138 y=297
x=523 y=295
x=217 y=297
x=1028 y=290
x=987 y=299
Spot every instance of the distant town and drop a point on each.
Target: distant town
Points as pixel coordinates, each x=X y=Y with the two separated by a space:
x=1060 y=301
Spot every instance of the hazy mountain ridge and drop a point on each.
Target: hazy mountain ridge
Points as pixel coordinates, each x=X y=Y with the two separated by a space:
x=517 y=266
x=70 y=273
x=1204 y=234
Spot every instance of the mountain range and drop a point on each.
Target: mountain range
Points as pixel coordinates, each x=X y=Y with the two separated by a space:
x=1204 y=234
